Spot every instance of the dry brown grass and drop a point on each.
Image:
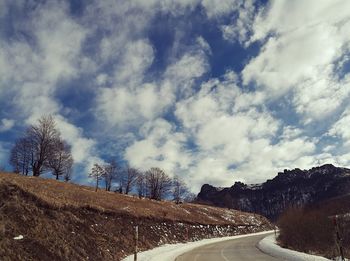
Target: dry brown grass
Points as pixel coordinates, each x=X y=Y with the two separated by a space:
x=61 y=194
x=61 y=221
x=312 y=230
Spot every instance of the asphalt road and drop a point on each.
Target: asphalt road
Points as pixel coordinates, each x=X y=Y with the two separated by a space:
x=240 y=249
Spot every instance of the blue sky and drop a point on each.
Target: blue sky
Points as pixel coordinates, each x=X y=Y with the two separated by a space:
x=214 y=91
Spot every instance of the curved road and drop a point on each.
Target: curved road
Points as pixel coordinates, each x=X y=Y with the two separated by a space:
x=240 y=249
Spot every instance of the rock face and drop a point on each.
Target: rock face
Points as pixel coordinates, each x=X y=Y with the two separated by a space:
x=289 y=188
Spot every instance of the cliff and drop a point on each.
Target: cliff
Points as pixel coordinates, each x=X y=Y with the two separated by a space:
x=289 y=188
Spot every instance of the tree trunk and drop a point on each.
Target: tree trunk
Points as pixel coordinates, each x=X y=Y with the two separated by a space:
x=36 y=170
x=96 y=184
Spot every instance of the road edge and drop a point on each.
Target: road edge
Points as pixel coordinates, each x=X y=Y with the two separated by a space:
x=169 y=252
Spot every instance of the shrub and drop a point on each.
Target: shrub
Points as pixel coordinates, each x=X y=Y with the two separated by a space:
x=307 y=231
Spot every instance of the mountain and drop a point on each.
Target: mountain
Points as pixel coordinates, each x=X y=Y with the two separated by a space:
x=45 y=219
x=289 y=188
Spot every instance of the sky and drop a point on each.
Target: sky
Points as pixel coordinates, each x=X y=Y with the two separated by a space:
x=215 y=91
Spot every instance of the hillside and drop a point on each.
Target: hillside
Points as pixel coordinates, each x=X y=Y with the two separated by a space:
x=62 y=221
x=289 y=188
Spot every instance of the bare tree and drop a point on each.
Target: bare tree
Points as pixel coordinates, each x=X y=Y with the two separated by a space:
x=121 y=177
x=42 y=138
x=179 y=190
x=110 y=173
x=67 y=176
x=21 y=155
x=158 y=183
x=60 y=161
x=190 y=197
x=141 y=184
x=41 y=148
x=97 y=173
x=131 y=175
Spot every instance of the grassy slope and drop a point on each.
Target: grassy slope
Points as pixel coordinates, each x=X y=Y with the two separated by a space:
x=62 y=221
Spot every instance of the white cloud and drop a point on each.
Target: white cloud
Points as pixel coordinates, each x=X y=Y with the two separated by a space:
x=233 y=135
x=304 y=41
x=184 y=71
x=131 y=100
x=161 y=146
x=240 y=29
x=127 y=107
x=6 y=124
x=137 y=57
x=341 y=127
x=300 y=14
x=59 y=39
x=222 y=131
x=204 y=45
x=33 y=68
x=215 y=8
x=293 y=58
x=82 y=148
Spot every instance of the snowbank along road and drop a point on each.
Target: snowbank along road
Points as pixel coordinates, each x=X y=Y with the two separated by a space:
x=240 y=249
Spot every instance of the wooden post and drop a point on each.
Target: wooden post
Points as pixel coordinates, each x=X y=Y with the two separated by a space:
x=338 y=238
x=136 y=241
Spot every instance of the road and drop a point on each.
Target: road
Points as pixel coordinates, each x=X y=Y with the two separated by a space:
x=240 y=249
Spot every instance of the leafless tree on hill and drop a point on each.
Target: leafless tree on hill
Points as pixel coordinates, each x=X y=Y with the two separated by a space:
x=60 y=161
x=158 y=183
x=43 y=137
x=21 y=156
x=97 y=173
x=141 y=184
x=110 y=173
x=67 y=176
x=131 y=174
x=41 y=148
x=179 y=190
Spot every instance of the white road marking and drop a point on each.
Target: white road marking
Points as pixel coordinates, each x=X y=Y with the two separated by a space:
x=222 y=254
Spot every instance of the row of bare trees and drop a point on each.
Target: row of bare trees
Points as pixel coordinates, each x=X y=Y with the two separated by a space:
x=154 y=183
x=42 y=149
x=111 y=173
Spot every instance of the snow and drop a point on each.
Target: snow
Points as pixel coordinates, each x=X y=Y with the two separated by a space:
x=169 y=252
x=269 y=246
x=255 y=186
x=18 y=237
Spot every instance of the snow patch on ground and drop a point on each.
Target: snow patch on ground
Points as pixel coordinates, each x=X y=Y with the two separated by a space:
x=269 y=246
x=169 y=252
x=18 y=237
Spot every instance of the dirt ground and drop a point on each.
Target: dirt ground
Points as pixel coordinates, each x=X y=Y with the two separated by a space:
x=61 y=221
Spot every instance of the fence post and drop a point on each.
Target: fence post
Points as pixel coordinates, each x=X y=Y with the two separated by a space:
x=136 y=241
x=338 y=239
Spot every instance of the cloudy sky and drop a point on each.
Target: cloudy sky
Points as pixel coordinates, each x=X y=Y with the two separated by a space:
x=215 y=91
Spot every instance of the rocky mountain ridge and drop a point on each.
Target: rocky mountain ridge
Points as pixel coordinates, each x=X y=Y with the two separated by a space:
x=289 y=188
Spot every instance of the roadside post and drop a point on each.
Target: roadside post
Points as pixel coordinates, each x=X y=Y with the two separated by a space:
x=136 y=242
x=338 y=238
